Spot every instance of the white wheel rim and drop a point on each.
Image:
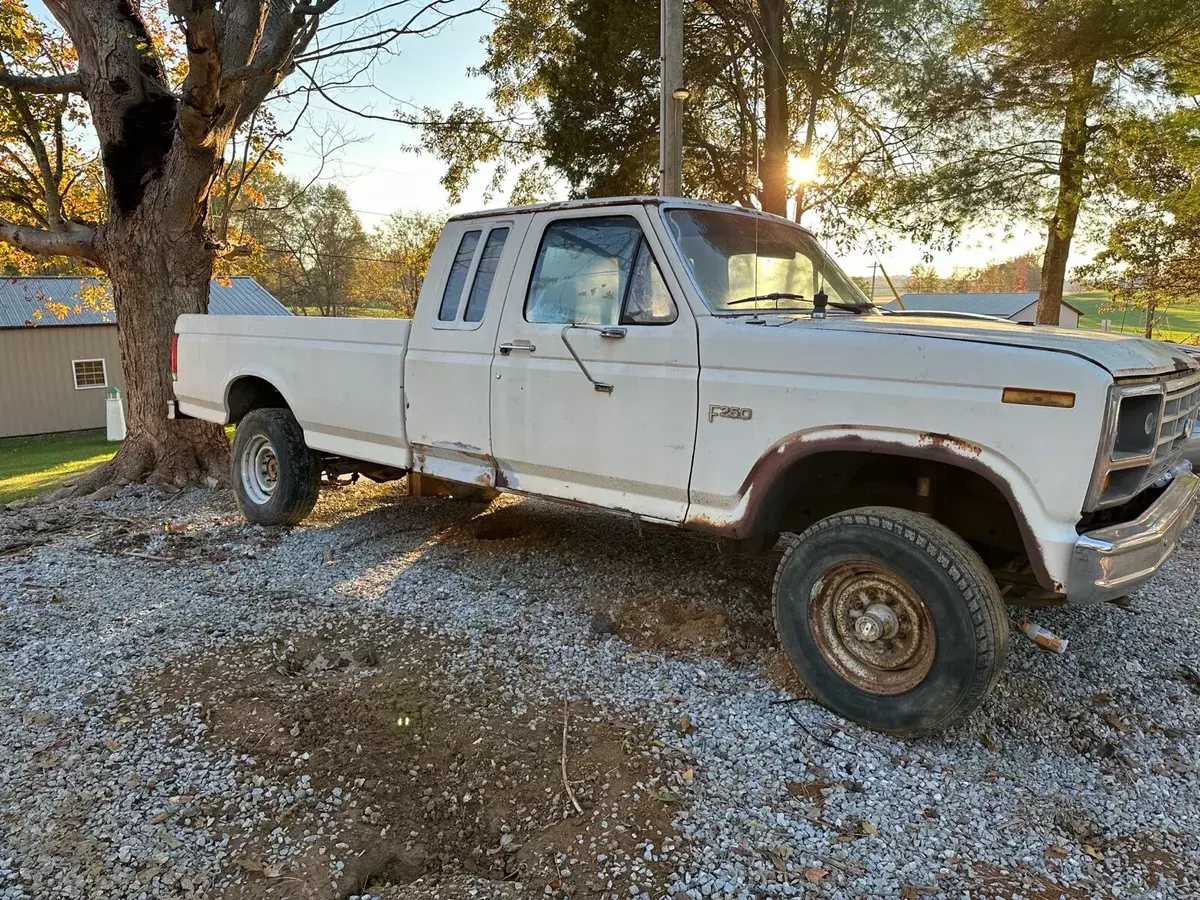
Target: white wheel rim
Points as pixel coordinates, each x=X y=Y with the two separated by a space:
x=260 y=470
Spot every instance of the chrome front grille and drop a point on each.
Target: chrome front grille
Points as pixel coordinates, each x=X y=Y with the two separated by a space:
x=1179 y=414
x=1181 y=403
x=1132 y=455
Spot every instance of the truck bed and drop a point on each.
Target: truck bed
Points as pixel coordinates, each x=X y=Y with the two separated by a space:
x=342 y=378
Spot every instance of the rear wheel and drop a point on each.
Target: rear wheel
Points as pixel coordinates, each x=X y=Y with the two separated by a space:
x=891 y=619
x=276 y=478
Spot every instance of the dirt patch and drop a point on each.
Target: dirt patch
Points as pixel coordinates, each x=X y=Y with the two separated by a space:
x=403 y=773
x=993 y=882
x=650 y=621
x=778 y=669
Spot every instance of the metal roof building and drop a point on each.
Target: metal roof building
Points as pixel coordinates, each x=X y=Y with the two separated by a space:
x=21 y=298
x=54 y=372
x=1018 y=306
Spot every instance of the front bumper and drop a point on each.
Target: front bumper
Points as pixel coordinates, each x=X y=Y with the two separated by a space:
x=1110 y=562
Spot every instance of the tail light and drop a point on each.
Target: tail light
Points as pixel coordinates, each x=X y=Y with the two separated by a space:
x=174 y=357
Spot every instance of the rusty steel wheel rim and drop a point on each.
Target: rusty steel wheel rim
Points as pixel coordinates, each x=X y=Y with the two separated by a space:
x=871 y=627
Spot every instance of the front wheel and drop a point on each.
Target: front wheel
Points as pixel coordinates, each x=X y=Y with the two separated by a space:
x=891 y=619
x=276 y=478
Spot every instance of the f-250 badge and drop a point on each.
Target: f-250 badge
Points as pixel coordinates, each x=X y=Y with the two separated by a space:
x=730 y=412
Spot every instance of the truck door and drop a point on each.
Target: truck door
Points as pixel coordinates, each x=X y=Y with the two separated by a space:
x=448 y=365
x=594 y=386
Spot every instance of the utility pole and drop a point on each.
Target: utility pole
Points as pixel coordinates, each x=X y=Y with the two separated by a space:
x=673 y=95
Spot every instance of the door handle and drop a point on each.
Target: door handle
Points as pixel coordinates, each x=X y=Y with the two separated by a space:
x=510 y=346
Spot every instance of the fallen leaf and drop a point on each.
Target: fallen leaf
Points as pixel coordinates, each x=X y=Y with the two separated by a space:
x=250 y=864
x=987 y=742
x=47 y=761
x=329 y=556
x=688 y=774
x=112 y=744
x=1116 y=722
x=868 y=828
x=816 y=875
x=666 y=795
x=1100 y=699
x=807 y=789
x=1092 y=852
x=1056 y=851
x=158 y=818
x=273 y=871
x=913 y=891
x=685 y=724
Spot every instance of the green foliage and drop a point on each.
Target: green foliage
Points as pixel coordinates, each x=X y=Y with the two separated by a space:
x=1015 y=112
x=575 y=88
x=1018 y=274
x=401 y=248
x=309 y=244
x=1150 y=249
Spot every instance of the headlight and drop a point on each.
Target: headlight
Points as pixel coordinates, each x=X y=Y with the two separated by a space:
x=1128 y=444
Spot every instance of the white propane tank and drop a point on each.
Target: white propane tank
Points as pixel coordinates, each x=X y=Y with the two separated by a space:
x=116 y=415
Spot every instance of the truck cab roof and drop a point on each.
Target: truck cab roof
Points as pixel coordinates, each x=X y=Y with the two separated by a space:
x=602 y=202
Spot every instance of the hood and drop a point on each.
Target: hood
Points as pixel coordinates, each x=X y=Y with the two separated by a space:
x=1123 y=355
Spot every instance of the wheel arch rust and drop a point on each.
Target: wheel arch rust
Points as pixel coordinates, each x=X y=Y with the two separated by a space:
x=760 y=486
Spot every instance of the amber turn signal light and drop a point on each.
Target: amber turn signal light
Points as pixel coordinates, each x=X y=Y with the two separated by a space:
x=1033 y=397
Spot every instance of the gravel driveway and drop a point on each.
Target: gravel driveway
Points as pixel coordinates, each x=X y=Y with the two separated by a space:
x=419 y=698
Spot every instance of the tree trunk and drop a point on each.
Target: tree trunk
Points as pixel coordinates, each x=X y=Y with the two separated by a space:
x=1071 y=164
x=778 y=129
x=1151 y=309
x=160 y=266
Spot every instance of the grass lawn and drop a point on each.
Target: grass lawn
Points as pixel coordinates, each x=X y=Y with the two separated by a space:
x=31 y=465
x=43 y=462
x=1179 y=323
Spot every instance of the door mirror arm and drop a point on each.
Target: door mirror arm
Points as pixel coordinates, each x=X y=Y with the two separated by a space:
x=605 y=331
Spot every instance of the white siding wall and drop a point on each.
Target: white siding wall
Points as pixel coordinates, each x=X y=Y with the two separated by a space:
x=37 y=385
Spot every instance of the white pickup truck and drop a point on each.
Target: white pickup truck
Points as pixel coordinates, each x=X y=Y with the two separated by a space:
x=711 y=368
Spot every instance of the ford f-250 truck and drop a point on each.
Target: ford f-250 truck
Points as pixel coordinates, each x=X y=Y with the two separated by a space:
x=711 y=368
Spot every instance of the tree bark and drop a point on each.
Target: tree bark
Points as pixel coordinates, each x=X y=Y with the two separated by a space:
x=1071 y=164
x=777 y=137
x=156 y=277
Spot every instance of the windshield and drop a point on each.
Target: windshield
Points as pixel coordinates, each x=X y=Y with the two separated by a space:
x=734 y=257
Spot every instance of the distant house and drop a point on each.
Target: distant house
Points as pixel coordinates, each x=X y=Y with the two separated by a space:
x=1017 y=307
x=53 y=372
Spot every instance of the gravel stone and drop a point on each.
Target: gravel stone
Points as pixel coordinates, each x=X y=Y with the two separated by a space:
x=1076 y=778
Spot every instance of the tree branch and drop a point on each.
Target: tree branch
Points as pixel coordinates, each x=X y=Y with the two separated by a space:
x=202 y=88
x=71 y=83
x=77 y=242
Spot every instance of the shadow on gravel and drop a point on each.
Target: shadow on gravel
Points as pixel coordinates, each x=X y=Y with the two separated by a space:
x=668 y=592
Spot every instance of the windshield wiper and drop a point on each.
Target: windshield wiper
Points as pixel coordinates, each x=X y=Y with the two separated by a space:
x=778 y=295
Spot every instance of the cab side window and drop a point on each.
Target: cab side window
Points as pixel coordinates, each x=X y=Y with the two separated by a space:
x=597 y=271
x=457 y=280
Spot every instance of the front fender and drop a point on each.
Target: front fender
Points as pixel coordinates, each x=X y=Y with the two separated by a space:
x=1048 y=540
